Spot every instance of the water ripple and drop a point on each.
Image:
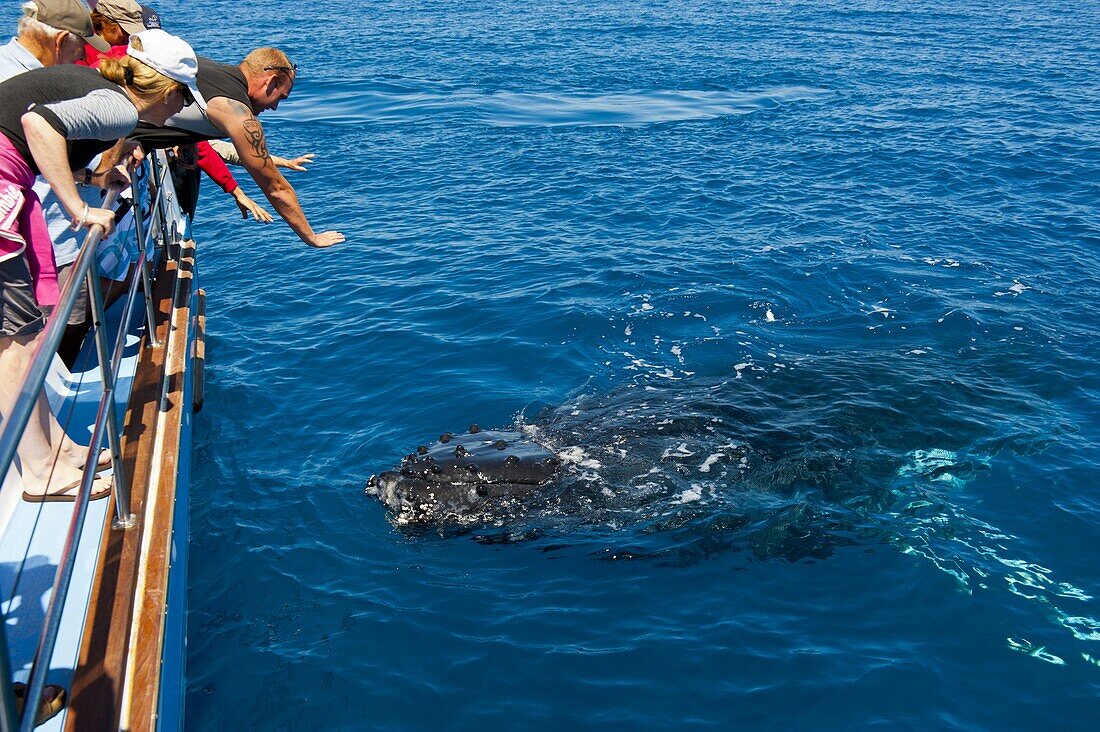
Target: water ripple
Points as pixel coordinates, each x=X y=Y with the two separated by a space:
x=356 y=103
x=805 y=293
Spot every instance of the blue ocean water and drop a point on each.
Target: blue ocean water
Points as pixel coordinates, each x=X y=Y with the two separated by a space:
x=806 y=294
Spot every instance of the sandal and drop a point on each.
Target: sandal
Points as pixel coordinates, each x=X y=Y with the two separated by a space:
x=101 y=488
x=47 y=708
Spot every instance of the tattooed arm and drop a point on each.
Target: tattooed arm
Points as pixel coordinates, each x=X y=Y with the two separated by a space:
x=247 y=135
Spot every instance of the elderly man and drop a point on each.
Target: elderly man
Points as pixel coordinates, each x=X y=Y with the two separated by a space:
x=234 y=95
x=51 y=32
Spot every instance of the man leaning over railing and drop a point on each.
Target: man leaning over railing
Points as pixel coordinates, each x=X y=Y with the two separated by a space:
x=234 y=96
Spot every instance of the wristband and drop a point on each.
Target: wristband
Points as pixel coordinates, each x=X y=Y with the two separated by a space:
x=83 y=219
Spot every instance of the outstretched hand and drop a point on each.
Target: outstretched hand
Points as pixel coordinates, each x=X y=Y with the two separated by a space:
x=299 y=163
x=248 y=206
x=326 y=239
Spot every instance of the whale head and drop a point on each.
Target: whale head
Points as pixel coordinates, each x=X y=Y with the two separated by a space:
x=463 y=475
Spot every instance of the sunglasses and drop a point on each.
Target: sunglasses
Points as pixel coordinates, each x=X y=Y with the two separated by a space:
x=188 y=97
x=286 y=69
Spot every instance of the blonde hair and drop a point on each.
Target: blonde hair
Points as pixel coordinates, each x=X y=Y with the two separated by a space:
x=141 y=79
x=265 y=58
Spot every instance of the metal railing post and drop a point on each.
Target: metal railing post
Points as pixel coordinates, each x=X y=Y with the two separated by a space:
x=9 y=719
x=160 y=174
x=124 y=519
x=12 y=431
x=143 y=248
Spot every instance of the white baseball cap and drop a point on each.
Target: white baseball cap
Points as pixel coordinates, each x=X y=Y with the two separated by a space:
x=171 y=56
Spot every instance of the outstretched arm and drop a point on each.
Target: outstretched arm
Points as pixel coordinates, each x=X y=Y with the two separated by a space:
x=211 y=163
x=229 y=153
x=247 y=134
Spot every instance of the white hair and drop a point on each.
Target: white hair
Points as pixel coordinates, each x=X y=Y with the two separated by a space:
x=30 y=24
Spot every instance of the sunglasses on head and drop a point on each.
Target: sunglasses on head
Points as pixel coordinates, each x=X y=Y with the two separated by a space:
x=293 y=67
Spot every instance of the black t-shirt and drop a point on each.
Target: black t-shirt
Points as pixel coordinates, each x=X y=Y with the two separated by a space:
x=190 y=125
x=90 y=112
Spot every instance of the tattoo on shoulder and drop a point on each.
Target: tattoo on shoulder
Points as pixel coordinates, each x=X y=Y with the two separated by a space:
x=254 y=133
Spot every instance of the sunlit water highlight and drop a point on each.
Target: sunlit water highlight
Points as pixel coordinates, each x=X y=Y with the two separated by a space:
x=805 y=296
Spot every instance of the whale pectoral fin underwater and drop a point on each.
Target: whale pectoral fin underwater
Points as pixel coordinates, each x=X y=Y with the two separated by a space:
x=460 y=475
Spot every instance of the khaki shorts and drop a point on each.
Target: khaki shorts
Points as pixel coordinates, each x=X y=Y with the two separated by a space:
x=19 y=311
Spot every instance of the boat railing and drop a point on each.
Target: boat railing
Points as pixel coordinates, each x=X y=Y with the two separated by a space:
x=161 y=231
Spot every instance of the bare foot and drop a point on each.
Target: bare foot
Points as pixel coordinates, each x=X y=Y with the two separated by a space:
x=72 y=454
x=54 y=481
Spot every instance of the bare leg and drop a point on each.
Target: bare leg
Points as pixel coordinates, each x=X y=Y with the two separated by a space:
x=43 y=438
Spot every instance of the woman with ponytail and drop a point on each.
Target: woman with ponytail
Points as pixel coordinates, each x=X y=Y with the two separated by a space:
x=53 y=121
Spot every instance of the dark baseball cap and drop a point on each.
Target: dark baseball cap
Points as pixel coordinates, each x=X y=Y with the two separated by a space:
x=71 y=16
x=150 y=17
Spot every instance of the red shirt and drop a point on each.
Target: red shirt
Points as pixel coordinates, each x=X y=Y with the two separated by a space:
x=92 y=56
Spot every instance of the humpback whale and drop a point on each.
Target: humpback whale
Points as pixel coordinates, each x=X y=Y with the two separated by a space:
x=462 y=474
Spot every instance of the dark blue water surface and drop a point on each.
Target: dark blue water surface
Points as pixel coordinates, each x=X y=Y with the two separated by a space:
x=806 y=295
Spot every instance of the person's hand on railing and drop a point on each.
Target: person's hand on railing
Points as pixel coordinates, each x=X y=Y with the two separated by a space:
x=299 y=163
x=100 y=217
x=89 y=217
x=248 y=206
x=133 y=155
x=116 y=176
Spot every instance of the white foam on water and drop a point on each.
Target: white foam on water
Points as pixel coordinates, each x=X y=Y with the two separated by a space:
x=680 y=451
x=709 y=462
x=945 y=262
x=646 y=306
x=577 y=456
x=690 y=495
x=769 y=316
x=1016 y=288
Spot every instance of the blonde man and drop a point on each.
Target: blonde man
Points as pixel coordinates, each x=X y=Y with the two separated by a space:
x=234 y=96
